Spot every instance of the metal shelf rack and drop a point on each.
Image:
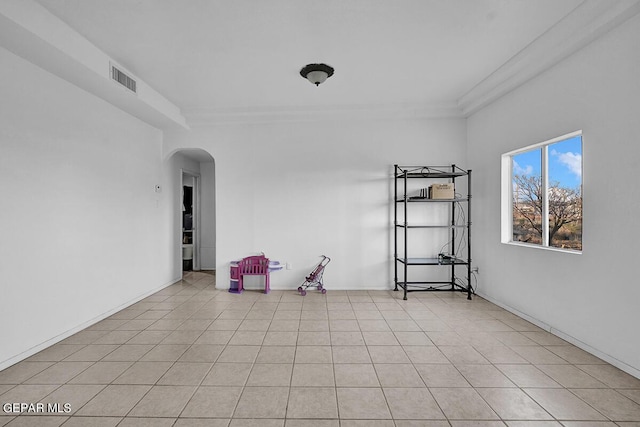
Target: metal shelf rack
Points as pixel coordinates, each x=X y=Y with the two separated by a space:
x=402 y=201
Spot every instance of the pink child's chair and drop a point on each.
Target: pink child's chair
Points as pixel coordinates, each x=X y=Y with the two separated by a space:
x=254 y=266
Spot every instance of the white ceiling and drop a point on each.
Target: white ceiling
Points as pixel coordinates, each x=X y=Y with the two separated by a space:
x=245 y=55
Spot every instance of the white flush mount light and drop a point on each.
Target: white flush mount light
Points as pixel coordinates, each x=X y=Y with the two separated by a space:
x=316 y=73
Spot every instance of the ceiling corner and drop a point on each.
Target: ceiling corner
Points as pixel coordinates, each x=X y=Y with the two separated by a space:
x=587 y=22
x=30 y=31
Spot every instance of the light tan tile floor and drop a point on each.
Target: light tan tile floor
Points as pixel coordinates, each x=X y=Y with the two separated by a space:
x=191 y=355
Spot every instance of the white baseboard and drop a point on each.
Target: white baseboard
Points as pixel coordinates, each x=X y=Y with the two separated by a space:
x=329 y=289
x=35 y=349
x=570 y=339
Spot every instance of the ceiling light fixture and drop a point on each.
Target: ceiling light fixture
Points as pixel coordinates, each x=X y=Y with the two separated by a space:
x=316 y=73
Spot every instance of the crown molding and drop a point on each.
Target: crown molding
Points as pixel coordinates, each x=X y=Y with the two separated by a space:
x=232 y=116
x=588 y=21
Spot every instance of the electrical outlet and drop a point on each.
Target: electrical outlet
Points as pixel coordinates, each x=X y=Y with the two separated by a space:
x=289 y=266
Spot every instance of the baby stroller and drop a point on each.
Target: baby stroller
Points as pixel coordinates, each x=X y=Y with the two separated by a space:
x=315 y=278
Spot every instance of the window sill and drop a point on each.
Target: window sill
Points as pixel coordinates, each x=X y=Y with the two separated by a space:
x=546 y=248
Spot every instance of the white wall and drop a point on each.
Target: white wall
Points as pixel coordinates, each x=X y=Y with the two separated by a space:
x=208 y=216
x=300 y=190
x=590 y=298
x=81 y=223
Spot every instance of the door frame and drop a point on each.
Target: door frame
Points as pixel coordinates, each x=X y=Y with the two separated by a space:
x=195 y=176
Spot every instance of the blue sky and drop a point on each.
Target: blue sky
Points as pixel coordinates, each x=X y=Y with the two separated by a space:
x=565 y=162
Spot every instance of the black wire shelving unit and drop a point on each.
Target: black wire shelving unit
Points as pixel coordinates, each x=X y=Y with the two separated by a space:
x=459 y=240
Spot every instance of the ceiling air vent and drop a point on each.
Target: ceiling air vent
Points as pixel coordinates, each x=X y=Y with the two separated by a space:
x=122 y=78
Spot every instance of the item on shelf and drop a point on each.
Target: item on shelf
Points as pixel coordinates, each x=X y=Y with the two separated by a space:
x=442 y=191
x=446 y=259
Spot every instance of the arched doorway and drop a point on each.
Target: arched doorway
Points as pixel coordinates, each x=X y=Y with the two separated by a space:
x=192 y=188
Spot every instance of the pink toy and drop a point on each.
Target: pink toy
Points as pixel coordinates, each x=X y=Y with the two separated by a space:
x=315 y=278
x=254 y=266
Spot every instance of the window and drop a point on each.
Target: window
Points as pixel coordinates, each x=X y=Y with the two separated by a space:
x=542 y=194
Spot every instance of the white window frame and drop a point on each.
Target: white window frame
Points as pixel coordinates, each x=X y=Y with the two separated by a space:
x=506 y=226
